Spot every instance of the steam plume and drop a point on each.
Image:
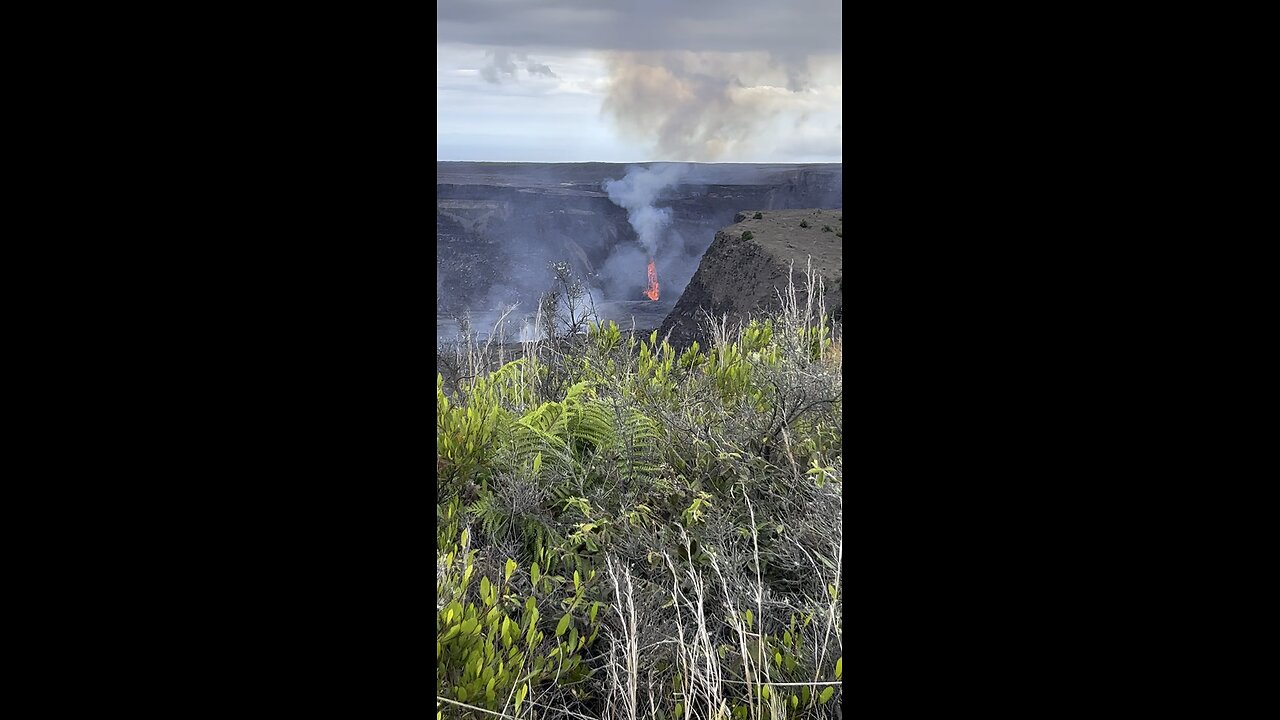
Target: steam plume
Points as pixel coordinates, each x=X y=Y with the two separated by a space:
x=636 y=193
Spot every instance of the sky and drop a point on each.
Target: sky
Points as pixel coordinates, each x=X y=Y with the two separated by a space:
x=634 y=81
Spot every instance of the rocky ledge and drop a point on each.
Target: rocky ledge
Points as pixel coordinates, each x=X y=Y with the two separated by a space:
x=749 y=262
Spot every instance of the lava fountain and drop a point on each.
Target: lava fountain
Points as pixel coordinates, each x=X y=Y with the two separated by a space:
x=651 y=291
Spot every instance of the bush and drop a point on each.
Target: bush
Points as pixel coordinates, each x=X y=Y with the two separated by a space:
x=747 y=235
x=804 y=223
x=491 y=648
x=827 y=228
x=759 y=216
x=656 y=529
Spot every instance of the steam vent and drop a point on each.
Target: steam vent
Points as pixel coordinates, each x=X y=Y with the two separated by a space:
x=747 y=265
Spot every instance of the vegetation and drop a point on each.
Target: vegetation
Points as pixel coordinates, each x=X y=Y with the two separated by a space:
x=827 y=228
x=759 y=216
x=804 y=223
x=747 y=235
x=630 y=530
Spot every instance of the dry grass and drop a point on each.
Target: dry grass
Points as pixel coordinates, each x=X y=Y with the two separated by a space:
x=706 y=604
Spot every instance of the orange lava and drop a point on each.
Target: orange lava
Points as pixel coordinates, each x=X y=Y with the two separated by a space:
x=651 y=292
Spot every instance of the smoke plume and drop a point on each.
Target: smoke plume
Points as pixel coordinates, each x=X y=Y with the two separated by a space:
x=703 y=106
x=636 y=193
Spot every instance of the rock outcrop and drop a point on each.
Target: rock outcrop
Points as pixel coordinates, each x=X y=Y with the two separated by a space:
x=749 y=262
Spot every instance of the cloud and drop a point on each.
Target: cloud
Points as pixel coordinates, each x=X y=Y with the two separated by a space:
x=539 y=69
x=503 y=62
x=796 y=26
x=713 y=80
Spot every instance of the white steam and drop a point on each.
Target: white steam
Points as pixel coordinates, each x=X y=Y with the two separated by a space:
x=636 y=193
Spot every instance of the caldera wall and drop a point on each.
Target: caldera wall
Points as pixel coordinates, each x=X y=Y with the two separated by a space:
x=740 y=274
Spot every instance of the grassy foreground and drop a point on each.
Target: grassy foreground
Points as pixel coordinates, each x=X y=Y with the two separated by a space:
x=626 y=530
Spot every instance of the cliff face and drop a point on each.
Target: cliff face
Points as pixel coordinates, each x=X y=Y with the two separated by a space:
x=741 y=274
x=499 y=225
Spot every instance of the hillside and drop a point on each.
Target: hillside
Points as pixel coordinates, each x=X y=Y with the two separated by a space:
x=746 y=265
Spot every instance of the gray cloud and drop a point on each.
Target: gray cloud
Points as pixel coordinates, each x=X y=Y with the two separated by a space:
x=795 y=26
x=539 y=69
x=688 y=80
x=503 y=62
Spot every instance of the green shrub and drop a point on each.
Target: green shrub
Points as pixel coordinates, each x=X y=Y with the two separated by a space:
x=759 y=216
x=492 y=648
x=621 y=503
x=747 y=235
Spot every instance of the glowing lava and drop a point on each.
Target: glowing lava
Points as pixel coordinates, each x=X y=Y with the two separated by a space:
x=651 y=291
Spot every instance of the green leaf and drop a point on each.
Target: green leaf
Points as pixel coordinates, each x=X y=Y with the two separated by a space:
x=537 y=463
x=524 y=690
x=839 y=663
x=536 y=572
x=749 y=616
x=511 y=567
x=826 y=695
x=564 y=625
x=485 y=587
x=577 y=581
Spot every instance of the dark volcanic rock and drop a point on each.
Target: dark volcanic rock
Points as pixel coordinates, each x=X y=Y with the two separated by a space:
x=500 y=225
x=739 y=276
